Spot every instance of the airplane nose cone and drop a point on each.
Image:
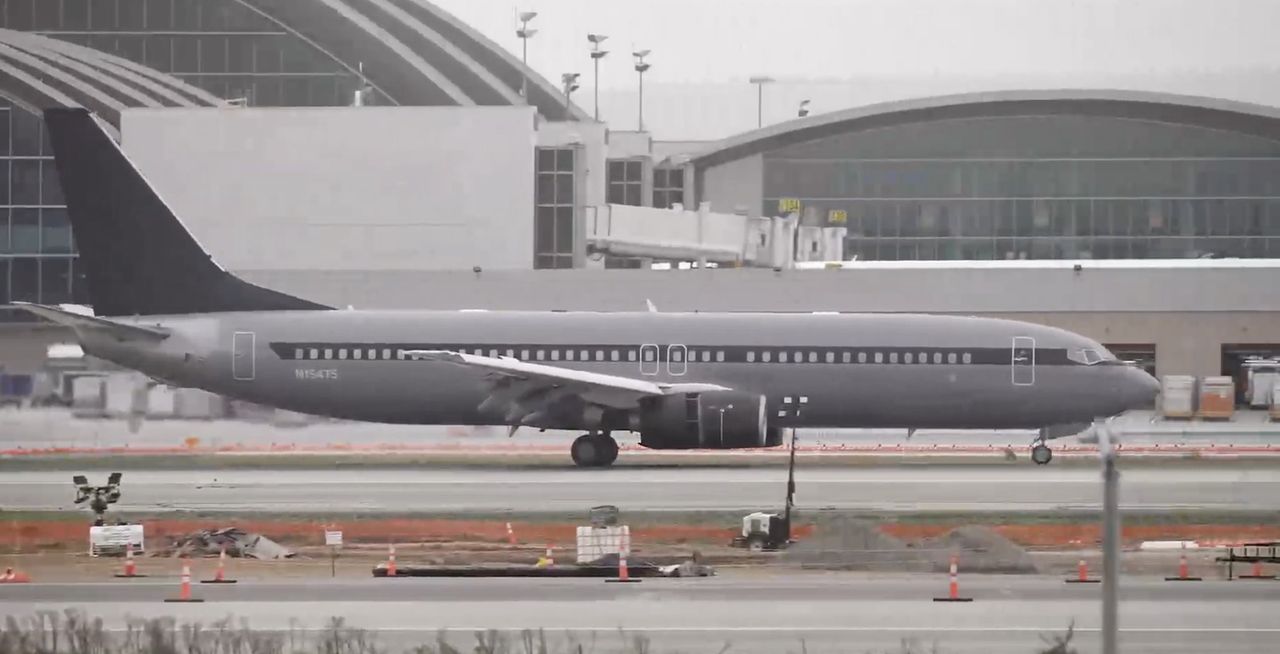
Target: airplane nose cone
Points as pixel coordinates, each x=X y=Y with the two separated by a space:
x=1140 y=388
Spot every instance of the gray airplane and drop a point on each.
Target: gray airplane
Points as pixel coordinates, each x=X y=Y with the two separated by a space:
x=681 y=380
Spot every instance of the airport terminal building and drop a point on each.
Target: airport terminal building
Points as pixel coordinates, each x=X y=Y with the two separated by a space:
x=381 y=154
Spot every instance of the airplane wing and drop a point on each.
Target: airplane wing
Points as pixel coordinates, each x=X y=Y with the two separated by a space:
x=526 y=391
x=78 y=321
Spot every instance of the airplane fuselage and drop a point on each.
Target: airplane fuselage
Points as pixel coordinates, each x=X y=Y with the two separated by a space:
x=815 y=370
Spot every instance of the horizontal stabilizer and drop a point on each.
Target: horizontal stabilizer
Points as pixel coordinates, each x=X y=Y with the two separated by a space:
x=79 y=321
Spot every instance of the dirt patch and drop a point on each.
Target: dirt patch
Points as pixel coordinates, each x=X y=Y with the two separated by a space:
x=978 y=549
x=853 y=544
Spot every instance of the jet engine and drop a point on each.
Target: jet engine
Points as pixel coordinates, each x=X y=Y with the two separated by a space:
x=718 y=420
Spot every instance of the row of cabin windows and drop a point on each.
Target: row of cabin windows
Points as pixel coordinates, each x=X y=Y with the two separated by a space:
x=650 y=355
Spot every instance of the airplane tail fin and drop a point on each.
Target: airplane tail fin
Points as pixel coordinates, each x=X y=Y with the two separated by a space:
x=139 y=259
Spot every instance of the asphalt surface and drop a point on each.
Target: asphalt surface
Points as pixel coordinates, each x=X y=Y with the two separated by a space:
x=1184 y=487
x=828 y=611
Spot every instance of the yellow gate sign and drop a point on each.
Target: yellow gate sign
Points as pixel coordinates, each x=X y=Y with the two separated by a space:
x=837 y=217
x=788 y=205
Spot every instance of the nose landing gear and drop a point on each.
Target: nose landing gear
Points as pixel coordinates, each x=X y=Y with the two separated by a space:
x=594 y=450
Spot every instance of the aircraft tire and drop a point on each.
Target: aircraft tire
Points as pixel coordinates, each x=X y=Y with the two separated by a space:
x=585 y=451
x=1041 y=454
x=608 y=450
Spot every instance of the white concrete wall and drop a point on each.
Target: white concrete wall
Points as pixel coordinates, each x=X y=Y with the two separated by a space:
x=735 y=185
x=373 y=188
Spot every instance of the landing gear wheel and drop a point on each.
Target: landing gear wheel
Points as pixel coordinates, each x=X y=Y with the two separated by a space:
x=586 y=450
x=1041 y=454
x=608 y=450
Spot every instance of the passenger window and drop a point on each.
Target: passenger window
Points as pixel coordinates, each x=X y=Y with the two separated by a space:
x=524 y=355
x=924 y=358
x=951 y=358
x=493 y=353
x=846 y=357
x=568 y=355
x=706 y=356
x=511 y=353
x=862 y=357
x=599 y=355
x=313 y=354
x=386 y=353
x=831 y=357
x=906 y=358
x=649 y=355
x=766 y=356
x=893 y=357
x=677 y=356
x=540 y=355
x=813 y=357
x=968 y=358
x=782 y=357
x=328 y=353
x=879 y=357
x=799 y=357
x=373 y=354
x=555 y=355
x=614 y=355
x=479 y=352
x=719 y=356
x=937 y=357
x=297 y=353
x=342 y=353
x=584 y=355
x=631 y=355
x=357 y=354
x=751 y=357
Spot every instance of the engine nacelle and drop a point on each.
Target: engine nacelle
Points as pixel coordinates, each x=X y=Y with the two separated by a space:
x=718 y=420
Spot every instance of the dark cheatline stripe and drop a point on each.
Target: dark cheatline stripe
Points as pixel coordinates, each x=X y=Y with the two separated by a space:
x=694 y=354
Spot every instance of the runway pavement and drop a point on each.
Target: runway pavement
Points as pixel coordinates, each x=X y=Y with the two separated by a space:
x=934 y=488
x=755 y=613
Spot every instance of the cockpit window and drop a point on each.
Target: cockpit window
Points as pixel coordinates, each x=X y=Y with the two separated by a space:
x=1089 y=356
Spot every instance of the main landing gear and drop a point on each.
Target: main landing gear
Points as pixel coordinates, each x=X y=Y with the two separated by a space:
x=594 y=450
x=1040 y=453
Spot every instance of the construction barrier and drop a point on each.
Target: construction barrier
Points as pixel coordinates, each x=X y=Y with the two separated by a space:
x=1257 y=572
x=12 y=576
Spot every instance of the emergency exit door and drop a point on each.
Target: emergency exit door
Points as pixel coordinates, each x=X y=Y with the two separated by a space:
x=243 y=366
x=1023 y=360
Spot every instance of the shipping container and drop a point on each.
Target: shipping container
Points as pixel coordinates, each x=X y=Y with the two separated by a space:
x=1217 y=398
x=1178 y=396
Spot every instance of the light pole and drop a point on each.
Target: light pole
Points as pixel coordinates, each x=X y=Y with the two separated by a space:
x=524 y=33
x=596 y=55
x=1110 y=538
x=641 y=67
x=570 y=83
x=760 y=81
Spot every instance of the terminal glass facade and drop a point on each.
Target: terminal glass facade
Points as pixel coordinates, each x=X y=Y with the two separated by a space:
x=221 y=46
x=1038 y=187
x=553 y=220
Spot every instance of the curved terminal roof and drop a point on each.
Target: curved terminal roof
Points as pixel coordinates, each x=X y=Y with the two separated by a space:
x=1227 y=115
x=415 y=53
x=38 y=72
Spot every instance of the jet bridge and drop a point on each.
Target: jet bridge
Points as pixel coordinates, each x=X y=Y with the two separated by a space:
x=680 y=234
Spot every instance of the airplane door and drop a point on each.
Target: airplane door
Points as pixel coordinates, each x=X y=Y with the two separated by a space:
x=1023 y=360
x=243 y=366
x=649 y=359
x=677 y=356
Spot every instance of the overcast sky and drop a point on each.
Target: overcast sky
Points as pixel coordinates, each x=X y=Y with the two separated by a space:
x=719 y=40
x=841 y=53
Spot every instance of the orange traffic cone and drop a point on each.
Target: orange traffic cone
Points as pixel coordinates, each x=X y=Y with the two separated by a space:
x=130 y=567
x=624 y=575
x=953 y=591
x=1257 y=572
x=12 y=576
x=391 y=560
x=1183 y=570
x=1082 y=575
x=220 y=576
x=184 y=590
